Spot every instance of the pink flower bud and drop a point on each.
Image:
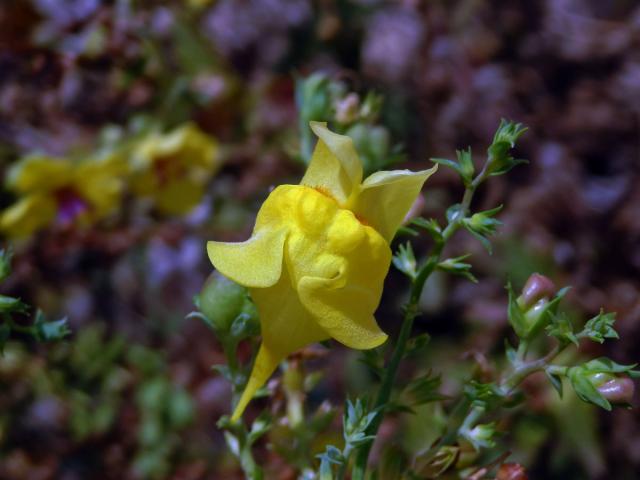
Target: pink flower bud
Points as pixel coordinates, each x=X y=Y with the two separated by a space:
x=537 y=287
x=347 y=108
x=618 y=391
x=511 y=471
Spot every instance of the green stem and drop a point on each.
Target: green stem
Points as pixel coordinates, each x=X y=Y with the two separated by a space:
x=249 y=465
x=507 y=385
x=411 y=311
x=26 y=329
x=342 y=469
x=251 y=469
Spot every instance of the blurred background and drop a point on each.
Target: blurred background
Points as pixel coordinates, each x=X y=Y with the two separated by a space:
x=131 y=132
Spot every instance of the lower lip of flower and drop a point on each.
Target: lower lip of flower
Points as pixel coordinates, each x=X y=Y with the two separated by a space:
x=70 y=205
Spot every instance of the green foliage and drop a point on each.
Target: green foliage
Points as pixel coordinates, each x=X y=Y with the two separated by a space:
x=600 y=327
x=481 y=436
x=321 y=98
x=463 y=165
x=41 y=329
x=456 y=266
x=405 y=260
x=561 y=328
x=483 y=395
x=424 y=389
x=505 y=138
x=482 y=225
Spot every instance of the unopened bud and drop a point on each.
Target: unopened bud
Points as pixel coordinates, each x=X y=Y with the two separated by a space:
x=511 y=471
x=347 y=108
x=537 y=288
x=619 y=390
x=221 y=301
x=379 y=140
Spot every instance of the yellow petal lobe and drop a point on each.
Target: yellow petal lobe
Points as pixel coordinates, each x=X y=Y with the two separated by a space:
x=28 y=215
x=286 y=327
x=343 y=304
x=265 y=364
x=386 y=197
x=254 y=263
x=335 y=165
x=39 y=174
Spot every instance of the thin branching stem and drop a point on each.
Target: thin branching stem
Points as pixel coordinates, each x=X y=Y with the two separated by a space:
x=411 y=311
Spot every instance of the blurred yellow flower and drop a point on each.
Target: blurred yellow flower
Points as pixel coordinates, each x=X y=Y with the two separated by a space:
x=174 y=168
x=55 y=190
x=319 y=253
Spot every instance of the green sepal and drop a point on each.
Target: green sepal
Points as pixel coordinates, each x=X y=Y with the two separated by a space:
x=556 y=381
x=600 y=327
x=482 y=225
x=463 y=165
x=500 y=160
x=561 y=328
x=456 y=266
x=424 y=389
x=405 y=260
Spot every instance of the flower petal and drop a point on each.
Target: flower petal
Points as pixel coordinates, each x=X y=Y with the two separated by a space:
x=254 y=263
x=335 y=166
x=258 y=261
x=386 y=197
x=345 y=313
x=179 y=196
x=265 y=364
x=39 y=174
x=286 y=327
x=344 y=304
x=99 y=181
x=28 y=215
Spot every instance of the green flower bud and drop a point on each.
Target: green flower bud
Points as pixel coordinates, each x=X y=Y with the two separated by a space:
x=532 y=310
x=221 y=301
x=379 y=140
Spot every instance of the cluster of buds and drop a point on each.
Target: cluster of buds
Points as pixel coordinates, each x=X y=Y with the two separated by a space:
x=320 y=97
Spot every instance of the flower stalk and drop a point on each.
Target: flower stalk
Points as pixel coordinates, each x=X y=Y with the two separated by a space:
x=411 y=311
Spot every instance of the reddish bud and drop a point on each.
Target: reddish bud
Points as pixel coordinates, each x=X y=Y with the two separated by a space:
x=511 y=471
x=537 y=287
x=347 y=108
x=618 y=391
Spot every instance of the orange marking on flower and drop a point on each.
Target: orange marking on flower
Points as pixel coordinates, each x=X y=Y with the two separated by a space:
x=324 y=191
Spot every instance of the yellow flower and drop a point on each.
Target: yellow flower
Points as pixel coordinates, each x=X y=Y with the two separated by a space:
x=319 y=253
x=58 y=190
x=174 y=168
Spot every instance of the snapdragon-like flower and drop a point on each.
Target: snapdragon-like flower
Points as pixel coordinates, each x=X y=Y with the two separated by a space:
x=59 y=191
x=174 y=168
x=316 y=261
